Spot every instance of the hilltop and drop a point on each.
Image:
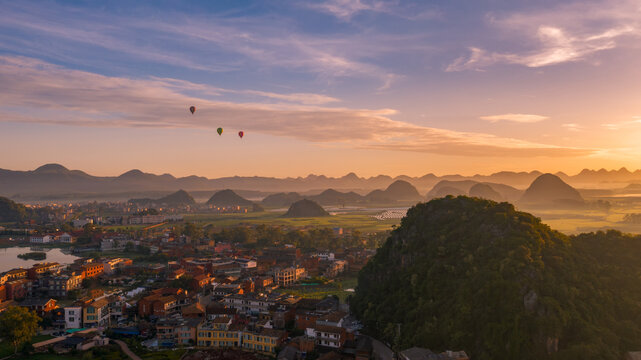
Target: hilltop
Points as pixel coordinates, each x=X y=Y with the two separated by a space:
x=549 y=189
x=477 y=275
x=178 y=199
x=484 y=191
x=305 y=208
x=227 y=198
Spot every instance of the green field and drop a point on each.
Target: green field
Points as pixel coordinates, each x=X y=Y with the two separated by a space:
x=580 y=221
x=338 y=288
x=362 y=221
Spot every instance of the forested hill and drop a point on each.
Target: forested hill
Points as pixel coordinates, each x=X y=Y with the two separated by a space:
x=472 y=274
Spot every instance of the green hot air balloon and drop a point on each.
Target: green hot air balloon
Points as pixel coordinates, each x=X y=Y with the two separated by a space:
x=220 y=131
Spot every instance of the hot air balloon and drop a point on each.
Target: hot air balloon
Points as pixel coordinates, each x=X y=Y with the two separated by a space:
x=220 y=131
x=240 y=133
x=192 y=109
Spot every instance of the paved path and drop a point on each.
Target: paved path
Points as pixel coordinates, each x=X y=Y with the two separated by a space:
x=126 y=350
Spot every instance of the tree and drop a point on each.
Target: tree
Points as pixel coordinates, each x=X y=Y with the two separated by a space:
x=18 y=325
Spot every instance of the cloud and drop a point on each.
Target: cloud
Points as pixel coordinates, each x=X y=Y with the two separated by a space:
x=636 y=121
x=206 y=43
x=572 y=127
x=519 y=118
x=567 y=33
x=38 y=92
x=345 y=9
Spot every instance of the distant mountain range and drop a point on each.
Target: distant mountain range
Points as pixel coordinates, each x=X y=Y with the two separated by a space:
x=399 y=192
x=55 y=179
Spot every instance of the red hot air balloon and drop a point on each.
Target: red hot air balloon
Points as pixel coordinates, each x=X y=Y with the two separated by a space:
x=240 y=134
x=192 y=109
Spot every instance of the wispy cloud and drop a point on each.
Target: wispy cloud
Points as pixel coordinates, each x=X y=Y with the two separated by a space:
x=37 y=92
x=519 y=118
x=345 y=9
x=211 y=43
x=568 y=33
x=636 y=121
x=573 y=127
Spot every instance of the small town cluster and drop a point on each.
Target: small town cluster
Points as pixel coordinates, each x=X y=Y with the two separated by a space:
x=212 y=296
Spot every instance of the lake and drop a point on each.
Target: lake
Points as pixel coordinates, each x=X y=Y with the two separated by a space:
x=9 y=257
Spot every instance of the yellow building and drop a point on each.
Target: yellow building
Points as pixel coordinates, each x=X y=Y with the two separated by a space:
x=218 y=332
x=96 y=313
x=264 y=341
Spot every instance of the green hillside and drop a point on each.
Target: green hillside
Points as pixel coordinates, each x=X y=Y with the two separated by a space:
x=472 y=274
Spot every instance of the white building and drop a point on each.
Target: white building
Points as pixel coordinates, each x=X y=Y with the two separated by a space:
x=65 y=238
x=73 y=317
x=246 y=263
x=45 y=239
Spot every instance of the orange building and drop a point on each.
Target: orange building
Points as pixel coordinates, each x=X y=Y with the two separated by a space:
x=92 y=270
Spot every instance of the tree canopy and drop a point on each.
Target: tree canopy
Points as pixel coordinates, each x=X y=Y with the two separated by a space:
x=472 y=274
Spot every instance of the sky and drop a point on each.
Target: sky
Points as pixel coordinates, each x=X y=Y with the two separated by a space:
x=323 y=87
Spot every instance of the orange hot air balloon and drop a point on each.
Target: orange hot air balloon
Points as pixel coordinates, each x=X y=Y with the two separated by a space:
x=192 y=109
x=219 y=131
x=241 y=134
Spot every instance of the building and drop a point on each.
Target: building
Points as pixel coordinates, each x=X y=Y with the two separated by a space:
x=73 y=317
x=110 y=265
x=60 y=285
x=18 y=289
x=37 y=270
x=219 y=332
x=65 y=238
x=41 y=239
x=252 y=305
x=92 y=270
x=15 y=274
x=246 y=263
x=176 y=331
x=328 y=336
x=265 y=341
x=42 y=306
x=288 y=275
x=96 y=314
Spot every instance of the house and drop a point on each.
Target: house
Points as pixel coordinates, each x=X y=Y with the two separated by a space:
x=96 y=313
x=65 y=238
x=41 y=306
x=176 y=331
x=163 y=302
x=328 y=336
x=80 y=341
x=288 y=275
x=73 y=317
x=193 y=311
x=41 y=239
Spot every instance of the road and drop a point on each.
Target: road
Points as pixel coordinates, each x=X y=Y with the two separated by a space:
x=126 y=350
